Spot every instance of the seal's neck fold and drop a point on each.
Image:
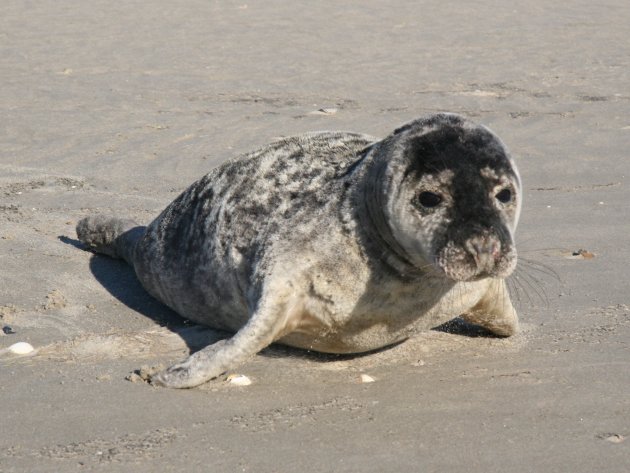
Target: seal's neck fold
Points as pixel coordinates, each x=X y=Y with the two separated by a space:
x=373 y=192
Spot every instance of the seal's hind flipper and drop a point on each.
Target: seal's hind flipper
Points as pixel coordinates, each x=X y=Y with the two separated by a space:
x=114 y=237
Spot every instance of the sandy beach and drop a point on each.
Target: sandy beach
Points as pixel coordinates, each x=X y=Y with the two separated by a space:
x=116 y=107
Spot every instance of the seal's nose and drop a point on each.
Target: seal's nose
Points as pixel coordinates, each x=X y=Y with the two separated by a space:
x=485 y=250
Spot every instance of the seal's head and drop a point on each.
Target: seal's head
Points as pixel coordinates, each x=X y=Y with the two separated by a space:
x=449 y=197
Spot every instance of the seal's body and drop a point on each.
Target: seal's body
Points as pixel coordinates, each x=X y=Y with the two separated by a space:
x=335 y=242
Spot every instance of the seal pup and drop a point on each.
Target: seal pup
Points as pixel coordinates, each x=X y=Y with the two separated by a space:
x=334 y=242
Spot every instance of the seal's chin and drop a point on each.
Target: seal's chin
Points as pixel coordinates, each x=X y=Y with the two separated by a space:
x=461 y=265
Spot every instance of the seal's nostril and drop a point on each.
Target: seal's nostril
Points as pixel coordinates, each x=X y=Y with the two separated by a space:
x=496 y=250
x=485 y=251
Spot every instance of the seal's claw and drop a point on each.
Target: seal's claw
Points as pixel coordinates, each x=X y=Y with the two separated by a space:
x=198 y=368
x=178 y=376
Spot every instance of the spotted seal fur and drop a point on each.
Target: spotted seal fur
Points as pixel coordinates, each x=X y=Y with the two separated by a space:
x=334 y=242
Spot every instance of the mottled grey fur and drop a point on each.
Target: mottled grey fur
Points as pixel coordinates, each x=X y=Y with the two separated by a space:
x=332 y=242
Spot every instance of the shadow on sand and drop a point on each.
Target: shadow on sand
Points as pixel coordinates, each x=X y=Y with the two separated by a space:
x=121 y=282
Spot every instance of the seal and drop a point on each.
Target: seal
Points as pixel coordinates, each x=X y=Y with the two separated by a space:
x=334 y=242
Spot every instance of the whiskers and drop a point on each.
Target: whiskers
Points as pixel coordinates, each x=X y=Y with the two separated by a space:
x=529 y=283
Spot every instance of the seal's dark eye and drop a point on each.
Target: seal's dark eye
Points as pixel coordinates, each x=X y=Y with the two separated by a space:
x=429 y=199
x=504 y=196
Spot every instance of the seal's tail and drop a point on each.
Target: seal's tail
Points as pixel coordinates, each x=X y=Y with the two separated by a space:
x=114 y=237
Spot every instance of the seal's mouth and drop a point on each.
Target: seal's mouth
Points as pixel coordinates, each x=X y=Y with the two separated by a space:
x=478 y=258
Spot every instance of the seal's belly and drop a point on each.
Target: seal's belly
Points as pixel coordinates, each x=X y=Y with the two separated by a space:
x=378 y=322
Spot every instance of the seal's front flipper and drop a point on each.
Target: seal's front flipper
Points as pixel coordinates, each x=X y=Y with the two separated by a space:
x=198 y=368
x=495 y=311
x=216 y=359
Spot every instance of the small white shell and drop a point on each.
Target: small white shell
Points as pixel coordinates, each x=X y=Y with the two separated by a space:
x=366 y=378
x=239 y=380
x=21 y=348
